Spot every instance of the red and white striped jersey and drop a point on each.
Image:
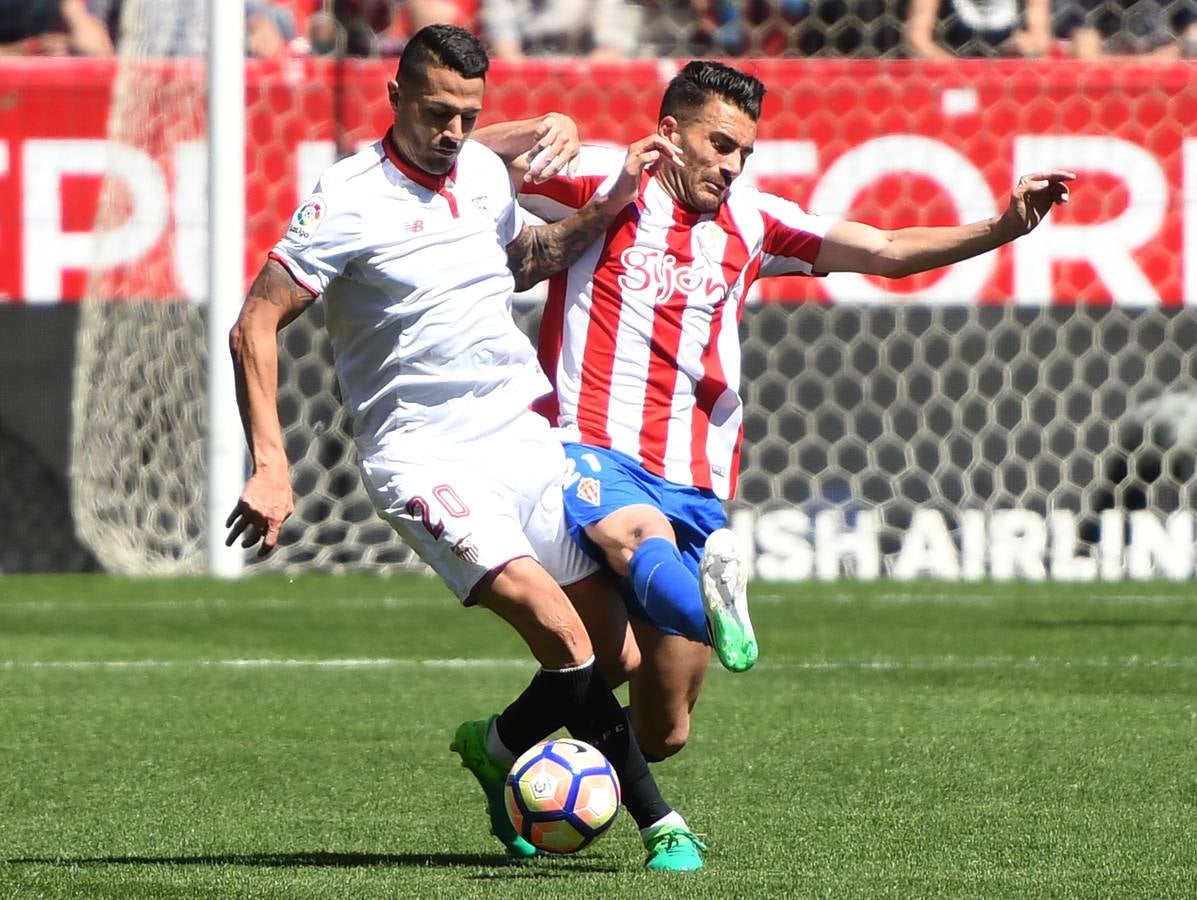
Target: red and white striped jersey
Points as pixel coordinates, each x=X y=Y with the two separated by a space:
x=640 y=336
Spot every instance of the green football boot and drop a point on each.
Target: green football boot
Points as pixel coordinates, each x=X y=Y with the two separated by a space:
x=469 y=743
x=724 y=583
x=673 y=848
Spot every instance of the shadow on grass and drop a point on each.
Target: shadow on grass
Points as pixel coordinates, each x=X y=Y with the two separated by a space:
x=327 y=860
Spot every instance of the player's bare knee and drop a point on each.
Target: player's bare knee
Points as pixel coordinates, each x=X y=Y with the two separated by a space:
x=526 y=596
x=620 y=534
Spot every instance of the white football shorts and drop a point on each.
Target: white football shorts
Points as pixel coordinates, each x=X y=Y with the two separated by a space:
x=473 y=506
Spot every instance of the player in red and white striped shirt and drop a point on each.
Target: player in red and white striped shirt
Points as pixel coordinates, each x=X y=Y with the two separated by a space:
x=640 y=340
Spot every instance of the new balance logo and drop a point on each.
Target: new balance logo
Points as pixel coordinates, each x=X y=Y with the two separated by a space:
x=414 y=225
x=465 y=550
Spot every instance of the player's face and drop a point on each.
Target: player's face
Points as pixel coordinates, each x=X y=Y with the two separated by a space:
x=433 y=117
x=716 y=142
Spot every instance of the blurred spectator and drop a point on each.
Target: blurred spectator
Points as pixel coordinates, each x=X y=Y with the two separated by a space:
x=269 y=30
x=52 y=28
x=770 y=27
x=602 y=29
x=866 y=28
x=323 y=36
x=1187 y=44
x=363 y=23
x=943 y=29
x=374 y=27
x=161 y=29
x=437 y=12
x=1100 y=28
x=748 y=27
x=680 y=27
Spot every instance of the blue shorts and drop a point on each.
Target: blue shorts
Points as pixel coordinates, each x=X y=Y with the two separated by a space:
x=601 y=481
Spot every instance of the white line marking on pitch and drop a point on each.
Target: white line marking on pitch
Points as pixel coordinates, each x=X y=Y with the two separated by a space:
x=271 y=603
x=351 y=663
x=863 y=665
x=283 y=603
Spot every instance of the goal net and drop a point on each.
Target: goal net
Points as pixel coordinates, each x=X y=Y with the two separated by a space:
x=139 y=460
x=989 y=420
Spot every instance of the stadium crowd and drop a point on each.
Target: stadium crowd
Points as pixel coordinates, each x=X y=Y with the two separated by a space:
x=617 y=29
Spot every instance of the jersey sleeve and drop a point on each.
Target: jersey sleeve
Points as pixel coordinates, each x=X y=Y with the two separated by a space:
x=568 y=192
x=323 y=237
x=511 y=219
x=792 y=237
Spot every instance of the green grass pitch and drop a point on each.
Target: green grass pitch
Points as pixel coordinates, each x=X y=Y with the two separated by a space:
x=288 y=738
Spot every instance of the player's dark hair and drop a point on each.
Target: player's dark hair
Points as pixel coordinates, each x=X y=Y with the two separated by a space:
x=442 y=45
x=693 y=86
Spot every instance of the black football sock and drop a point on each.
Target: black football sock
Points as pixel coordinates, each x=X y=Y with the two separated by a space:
x=601 y=721
x=650 y=758
x=542 y=708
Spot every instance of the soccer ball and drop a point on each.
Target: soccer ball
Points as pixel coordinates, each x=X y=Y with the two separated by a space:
x=561 y=795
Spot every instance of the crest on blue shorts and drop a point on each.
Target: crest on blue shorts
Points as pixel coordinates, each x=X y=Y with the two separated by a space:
x=588 y=490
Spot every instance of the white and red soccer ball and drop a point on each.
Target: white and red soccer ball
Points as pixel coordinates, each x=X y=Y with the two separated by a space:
x=562 y=795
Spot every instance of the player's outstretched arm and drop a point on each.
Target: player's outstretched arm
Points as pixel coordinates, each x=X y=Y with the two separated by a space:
x=274 y=299
x=540 y=251
x=534 y=149
x=855 y=247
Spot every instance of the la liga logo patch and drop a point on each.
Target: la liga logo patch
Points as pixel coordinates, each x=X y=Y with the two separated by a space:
x=310 y=213
x=307 y=217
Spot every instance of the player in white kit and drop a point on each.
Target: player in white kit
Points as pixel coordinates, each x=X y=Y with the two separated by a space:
x=640 y=338
x=412 y=244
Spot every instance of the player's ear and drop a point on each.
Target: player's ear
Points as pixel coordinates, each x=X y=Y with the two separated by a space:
x=668 y=128
x=393 y=95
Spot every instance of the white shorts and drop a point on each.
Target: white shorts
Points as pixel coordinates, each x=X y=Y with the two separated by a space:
x=480 y=504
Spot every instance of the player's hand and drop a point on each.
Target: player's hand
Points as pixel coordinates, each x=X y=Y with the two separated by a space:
x=643 y=156
x=265 y=504
x=1034 y=196
x=557 y=143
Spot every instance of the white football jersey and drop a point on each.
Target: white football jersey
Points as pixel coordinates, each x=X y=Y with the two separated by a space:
x=640 y=337
x=413 y=272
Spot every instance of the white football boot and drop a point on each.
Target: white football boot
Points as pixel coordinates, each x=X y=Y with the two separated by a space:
x=724 y=583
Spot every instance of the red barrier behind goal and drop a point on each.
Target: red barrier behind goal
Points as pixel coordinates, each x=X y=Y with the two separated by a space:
x=887 y=142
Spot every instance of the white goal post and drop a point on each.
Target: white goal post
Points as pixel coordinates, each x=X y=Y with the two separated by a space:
x=226 y=265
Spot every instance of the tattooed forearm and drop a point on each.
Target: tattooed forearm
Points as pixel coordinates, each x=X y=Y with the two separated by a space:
x=544 y=250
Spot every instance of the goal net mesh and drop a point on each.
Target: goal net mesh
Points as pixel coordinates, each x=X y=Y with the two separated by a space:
x=907 y=403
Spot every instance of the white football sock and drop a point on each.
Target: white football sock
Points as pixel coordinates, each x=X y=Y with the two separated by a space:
x=496 y=749
x=674 y=818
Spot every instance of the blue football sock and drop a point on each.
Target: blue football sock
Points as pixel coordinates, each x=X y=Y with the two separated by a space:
x=667 y=589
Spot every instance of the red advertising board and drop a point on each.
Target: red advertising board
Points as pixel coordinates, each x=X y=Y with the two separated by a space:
x=891 y=143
